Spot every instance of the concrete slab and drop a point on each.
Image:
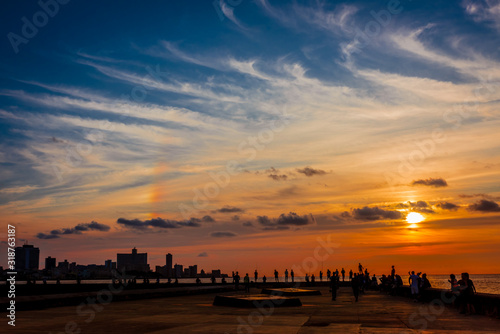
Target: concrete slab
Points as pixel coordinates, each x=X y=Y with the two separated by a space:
x=256 y=301
x=291 y=292
x=374 y=313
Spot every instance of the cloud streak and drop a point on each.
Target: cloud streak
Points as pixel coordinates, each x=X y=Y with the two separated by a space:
x=160 y=223
x=78 y=229
x=436 y=183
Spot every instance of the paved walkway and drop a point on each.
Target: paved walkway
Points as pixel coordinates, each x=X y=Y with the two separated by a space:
x=374 y=313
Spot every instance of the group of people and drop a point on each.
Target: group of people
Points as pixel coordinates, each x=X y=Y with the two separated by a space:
x=464 y=291
x=392 y=283
x=418 y=283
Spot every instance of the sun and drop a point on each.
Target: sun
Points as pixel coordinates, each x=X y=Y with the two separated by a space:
x=414 y=217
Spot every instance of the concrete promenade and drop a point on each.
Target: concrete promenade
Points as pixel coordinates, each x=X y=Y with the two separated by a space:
x=374 y=313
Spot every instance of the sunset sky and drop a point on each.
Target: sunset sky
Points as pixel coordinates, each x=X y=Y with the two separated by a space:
x=240 y=134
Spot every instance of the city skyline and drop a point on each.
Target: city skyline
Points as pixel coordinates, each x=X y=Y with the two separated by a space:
x=246 y=134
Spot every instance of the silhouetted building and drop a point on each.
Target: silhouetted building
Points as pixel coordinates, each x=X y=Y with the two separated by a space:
x=193 y=270
x=132 y=262
x=178 y=270
x=50 y=263
x=27 y=257
x=109 y=264
x=63 y=266
x=169 y=263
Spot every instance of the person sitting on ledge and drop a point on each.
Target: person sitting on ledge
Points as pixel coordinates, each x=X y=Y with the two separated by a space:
x=424 y=284
x=454 y=286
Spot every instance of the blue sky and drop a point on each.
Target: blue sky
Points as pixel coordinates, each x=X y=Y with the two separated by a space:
x=129 y=110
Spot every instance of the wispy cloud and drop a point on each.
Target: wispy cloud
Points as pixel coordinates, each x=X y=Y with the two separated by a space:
x=487 y=11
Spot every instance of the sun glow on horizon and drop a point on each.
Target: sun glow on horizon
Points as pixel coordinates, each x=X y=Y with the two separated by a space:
x=414 y=218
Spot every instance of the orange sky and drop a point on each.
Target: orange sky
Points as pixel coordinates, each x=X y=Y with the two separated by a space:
x=236 y=139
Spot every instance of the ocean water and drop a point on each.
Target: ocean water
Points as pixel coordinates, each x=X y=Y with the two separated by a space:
x=483 y=283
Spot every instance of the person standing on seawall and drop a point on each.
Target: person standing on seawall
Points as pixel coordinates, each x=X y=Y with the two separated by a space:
x=413 y=281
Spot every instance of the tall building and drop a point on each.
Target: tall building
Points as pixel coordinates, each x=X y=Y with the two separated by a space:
x=27 y=257
x=169 y=261
x=169 y=265
x=132 y=262
x=50 y=263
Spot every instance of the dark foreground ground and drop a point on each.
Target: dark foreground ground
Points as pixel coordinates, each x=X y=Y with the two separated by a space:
x=374 y=313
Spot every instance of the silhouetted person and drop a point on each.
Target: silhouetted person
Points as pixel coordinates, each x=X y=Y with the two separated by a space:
x=44 y=280
x=223 y=281
x=286 y=275
x=320 y=275
x=198 y=281
x=466 y=297
x=424 y=284
x=350 y=274
x=334 y=286
x=236 y=280
x=360 y=268
x=256 y=275
x=246 y=280
x=212 y=279
x=312 y=279
x=264 y=279
x=355 y=286
x=343 y=274
x=276 y=276
x=307 y=278
x=454 y=286
x=393 y=272
x=413 y=280
x=328 y=274
x=292 y=274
